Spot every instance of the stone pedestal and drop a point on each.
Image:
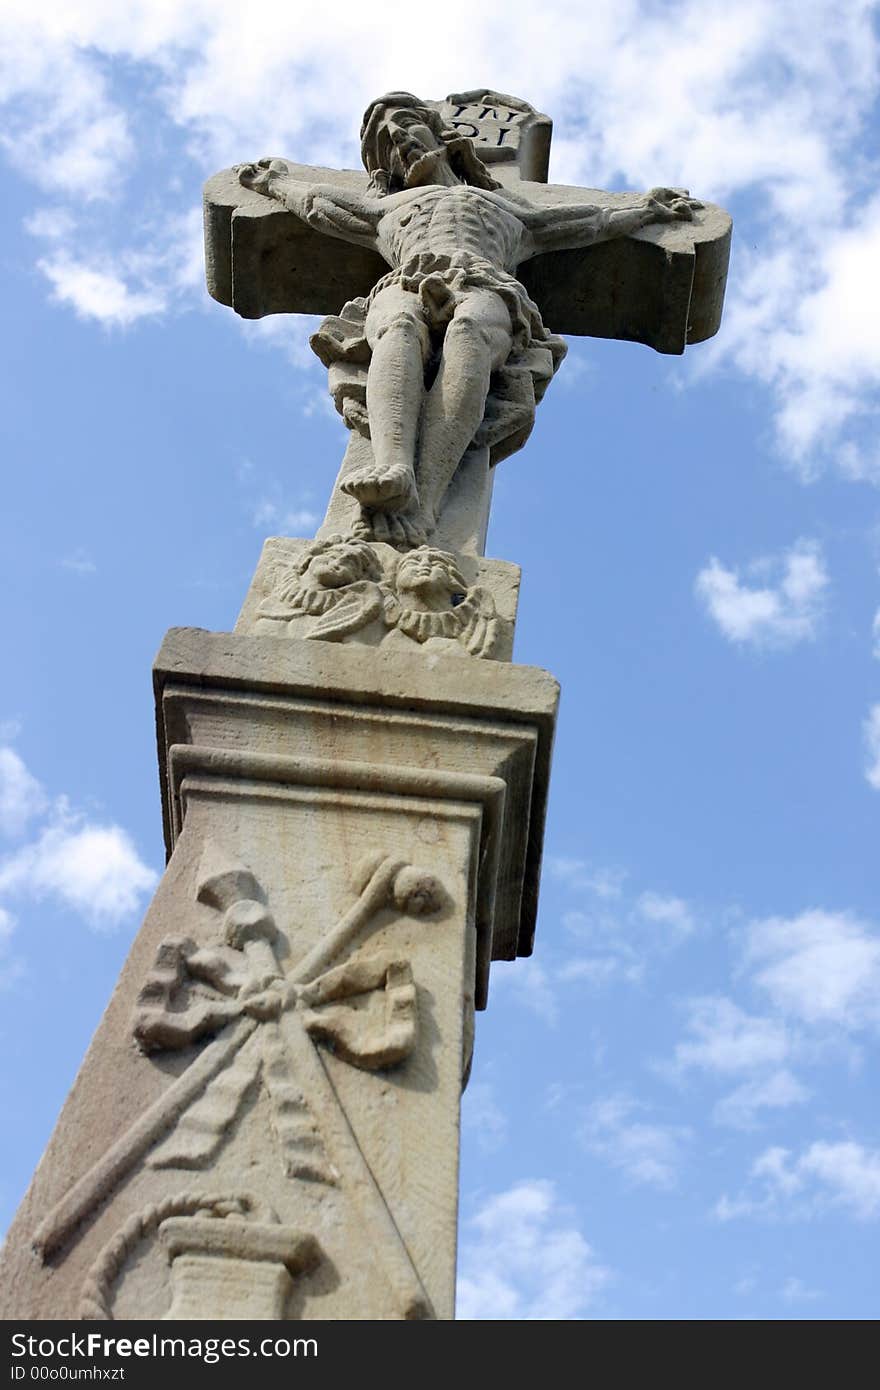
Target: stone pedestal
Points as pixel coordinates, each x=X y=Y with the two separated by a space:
x=229 y=1270
x=269 y=1110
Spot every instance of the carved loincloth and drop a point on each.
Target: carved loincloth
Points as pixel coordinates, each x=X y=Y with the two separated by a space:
x=440 y=281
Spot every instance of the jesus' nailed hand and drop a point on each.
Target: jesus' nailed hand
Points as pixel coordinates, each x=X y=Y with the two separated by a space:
x=450 y=312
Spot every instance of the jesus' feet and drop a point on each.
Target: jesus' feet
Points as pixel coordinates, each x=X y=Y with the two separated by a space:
x=403 y=530
x=392 y=489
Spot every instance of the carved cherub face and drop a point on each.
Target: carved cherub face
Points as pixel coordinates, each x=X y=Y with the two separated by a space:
x=342 y=562
x=431 y=578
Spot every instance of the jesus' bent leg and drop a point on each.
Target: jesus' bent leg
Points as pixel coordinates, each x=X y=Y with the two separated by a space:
x=399 y=341
x=477 y=342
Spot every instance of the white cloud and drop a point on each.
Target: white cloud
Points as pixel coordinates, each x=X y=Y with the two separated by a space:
x=51 y=224
x=726 y=1040
x=819 y=967
x=609 y=929
x=849 y=1171
x=844 y=1174
x=63 y=129
x=647 y=1154
x=578 y=875
x=99 y=293
x=294 y=522
x=11 y=967
x=871 y=733
x=79 y=562
x=794 y=1290
x=778 y=1090
x=524 y=1258
x=530 y=984
x=669 y=912
x=611 y=952
x=95 y=869
x=21 y=796
x=600 y=970
x=804 y=321
x=291 y=333
x=778 y=615
x=481 y=1113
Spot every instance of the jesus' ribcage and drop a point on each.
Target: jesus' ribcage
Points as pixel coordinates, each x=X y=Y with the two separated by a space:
x=451 y=220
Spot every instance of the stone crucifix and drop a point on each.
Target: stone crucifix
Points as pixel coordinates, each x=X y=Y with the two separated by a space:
x=438 y=366
x=282 y=1142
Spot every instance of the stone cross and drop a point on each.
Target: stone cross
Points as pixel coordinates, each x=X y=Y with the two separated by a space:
x=448 y=271
x=354 y=780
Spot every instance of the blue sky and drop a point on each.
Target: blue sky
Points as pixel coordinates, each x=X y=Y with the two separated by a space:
x=671 y=1113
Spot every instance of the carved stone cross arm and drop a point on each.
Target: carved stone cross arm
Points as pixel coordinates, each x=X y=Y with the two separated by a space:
x=327 y=208
x=660 y=284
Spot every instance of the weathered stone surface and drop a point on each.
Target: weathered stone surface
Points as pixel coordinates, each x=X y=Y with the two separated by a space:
x=266 y=1124
x=355 y=717
x=506 y=131
x=661 y=286
x=339 y=590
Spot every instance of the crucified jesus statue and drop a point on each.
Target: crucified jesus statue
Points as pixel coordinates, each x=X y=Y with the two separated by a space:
x=450 y=325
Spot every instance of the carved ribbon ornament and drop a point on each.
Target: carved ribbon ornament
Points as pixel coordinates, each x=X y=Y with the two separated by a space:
x=264 y=1022
x=363 y=1009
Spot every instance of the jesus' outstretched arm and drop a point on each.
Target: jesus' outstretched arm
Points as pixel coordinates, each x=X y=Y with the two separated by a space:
x=335 y=211
x=569 y=226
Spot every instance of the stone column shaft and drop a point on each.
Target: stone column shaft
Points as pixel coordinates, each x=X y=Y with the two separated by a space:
x=272 y=1097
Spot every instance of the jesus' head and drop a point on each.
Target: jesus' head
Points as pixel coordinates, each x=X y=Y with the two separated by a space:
x=402 y=139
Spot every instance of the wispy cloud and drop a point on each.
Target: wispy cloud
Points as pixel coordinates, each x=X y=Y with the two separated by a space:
x=295 y=521
x=743 y=1107
x=671 y=914
x=844 y=1174
x=646 y=1153
x=615 y=930
x=871 y=735
x=482 y=1114
x=523 y=1257
x=768 y=615
x=817 y=976
x=529 y=983
x=819 y=967
x=803 y=320
x=63 y=128
x=12 y=967
x=580 y=876
x=21 y=795
x=51 y=223
x=725 y=1040
x=79 y=562
x=795 y=1290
